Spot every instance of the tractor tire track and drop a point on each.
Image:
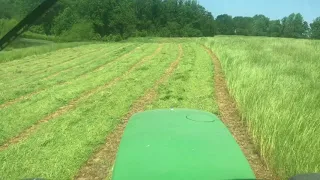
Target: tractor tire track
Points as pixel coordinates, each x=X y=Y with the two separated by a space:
x=99 y=68
x=72 y=104
x=99 y=166
x=230 y=115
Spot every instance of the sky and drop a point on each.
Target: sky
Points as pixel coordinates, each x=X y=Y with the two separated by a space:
x=274 y=9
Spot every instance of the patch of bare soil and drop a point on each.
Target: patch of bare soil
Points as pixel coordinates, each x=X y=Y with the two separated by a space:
x=72 y=104
x=99 y=166
x=231 y=118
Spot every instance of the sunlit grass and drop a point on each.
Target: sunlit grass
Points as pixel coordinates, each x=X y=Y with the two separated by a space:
x=60 y=73
x=274 y=81
x=276 y=85
x=191 y=85
x=23 y=114
x=62 y=145
x=14 y=54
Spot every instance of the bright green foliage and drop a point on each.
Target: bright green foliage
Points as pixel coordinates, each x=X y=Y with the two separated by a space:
x=275 y=83
x=6 y=25
x=80 y=31
x=179 y=144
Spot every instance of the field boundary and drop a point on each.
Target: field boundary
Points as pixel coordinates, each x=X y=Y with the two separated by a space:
x=96 y=69
x=100 y=164
x=230 y=115
x=72 y=104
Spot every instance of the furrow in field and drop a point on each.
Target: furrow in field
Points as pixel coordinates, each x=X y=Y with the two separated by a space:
x=96 y=69
x=231 y=117
x=72 y=104
x=96 y=167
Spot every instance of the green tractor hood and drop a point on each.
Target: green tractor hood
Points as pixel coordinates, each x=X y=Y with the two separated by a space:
x=179 y=144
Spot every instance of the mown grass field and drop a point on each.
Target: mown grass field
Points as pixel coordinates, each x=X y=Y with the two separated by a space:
x=58 y=107
x=59 y=103
x=276 y=84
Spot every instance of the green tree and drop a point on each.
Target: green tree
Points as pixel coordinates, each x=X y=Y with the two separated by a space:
x=124 y=18
x=294 y=26
x=315 y=28
x=260 y=25
x=225 y=25
x=275 y=28
x=243 y=25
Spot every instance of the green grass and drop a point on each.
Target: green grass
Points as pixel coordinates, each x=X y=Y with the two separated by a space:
x=276 y=85
x=22 y=80
x=14 y=54
x=61 y=146
x=191 y=85
x=23 y=43
x=23 y=114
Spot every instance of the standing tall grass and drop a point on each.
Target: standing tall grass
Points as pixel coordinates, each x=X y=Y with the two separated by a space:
x=276 y=84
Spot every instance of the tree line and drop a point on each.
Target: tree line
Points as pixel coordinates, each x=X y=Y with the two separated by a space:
x=292 y=26
x=113 y=20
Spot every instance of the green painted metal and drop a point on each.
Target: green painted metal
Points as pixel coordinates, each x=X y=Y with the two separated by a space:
x=179 y=144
